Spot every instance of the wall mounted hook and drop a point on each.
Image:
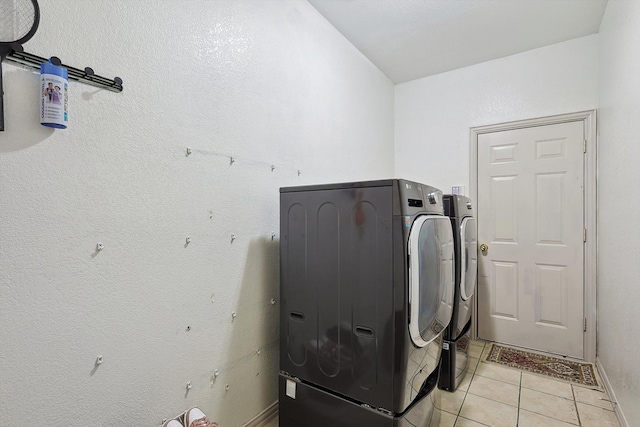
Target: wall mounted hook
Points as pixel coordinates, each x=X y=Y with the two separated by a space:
x=273 y=235
x=99 y=360
x=86 y=75
x=231 y=160
x=233 y=237
x=99 y=246
x=299 y=172
x=189 y=386
x=188 y=240
x=16 y=47
x=188 y=151
x=273 y=168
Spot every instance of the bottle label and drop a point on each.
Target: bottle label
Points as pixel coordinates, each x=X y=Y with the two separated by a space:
x=54 y=106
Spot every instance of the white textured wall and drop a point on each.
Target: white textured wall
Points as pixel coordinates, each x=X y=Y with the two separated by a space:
x=618 y=203
x=433 y=115
x=267 y=82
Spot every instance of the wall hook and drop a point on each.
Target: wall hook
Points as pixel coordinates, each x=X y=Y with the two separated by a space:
x=273 y=168
x=99 y=246
x=86 y=75
x=99 y=360
x=189 y=386
x=188 y=151
x=299 y=172
x=231 y=160
x=233 y=237
x=188 y=240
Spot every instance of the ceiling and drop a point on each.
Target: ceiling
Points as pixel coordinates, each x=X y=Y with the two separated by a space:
x=410 y=39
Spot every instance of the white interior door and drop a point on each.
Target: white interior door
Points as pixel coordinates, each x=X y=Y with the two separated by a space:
x=530 y=216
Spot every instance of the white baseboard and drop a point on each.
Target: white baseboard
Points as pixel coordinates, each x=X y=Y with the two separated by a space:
x=264 y=417
x=614 y=401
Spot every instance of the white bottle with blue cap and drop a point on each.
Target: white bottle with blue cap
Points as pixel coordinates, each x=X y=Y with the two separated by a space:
x=54 y=105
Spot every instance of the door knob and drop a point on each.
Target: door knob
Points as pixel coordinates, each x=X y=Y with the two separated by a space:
x=484 y=248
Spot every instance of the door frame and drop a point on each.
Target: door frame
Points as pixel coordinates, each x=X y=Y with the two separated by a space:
x=589 y=120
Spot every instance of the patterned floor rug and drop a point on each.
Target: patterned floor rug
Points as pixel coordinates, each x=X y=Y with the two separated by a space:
x=563 y=369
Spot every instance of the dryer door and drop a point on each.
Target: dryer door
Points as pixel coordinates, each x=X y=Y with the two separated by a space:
x=469 y=257
x=430 y=277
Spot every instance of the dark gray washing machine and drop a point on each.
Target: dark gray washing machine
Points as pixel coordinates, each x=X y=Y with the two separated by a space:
x=366 y=292
x=455 y=348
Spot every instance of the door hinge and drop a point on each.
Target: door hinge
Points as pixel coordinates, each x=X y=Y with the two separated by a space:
x=584 y=325
x=584 y=234
x=584 y=149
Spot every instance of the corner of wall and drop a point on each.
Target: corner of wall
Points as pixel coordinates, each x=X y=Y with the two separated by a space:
x=614 y=402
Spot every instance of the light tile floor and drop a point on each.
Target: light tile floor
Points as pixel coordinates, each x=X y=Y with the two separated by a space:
x=496 y=396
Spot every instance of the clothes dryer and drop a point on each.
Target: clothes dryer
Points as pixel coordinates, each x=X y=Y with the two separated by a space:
x=455 y=348
x=366 y=293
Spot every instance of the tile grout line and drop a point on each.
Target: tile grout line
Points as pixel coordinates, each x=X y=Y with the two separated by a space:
x=520 y=389
x=575 y=404
x=473 y=374
x=556 y=397
x=590 y=404
x=519 y=397
x=466 y=392
x=460 y=410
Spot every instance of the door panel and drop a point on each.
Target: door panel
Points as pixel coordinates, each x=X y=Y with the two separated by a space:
x=505 y=300
x=530 y=214
x=551 y=291
x=549 y=199
x=504 y=191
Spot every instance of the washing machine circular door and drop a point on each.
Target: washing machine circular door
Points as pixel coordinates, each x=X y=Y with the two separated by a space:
x=468 y=257
x=431 y=274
